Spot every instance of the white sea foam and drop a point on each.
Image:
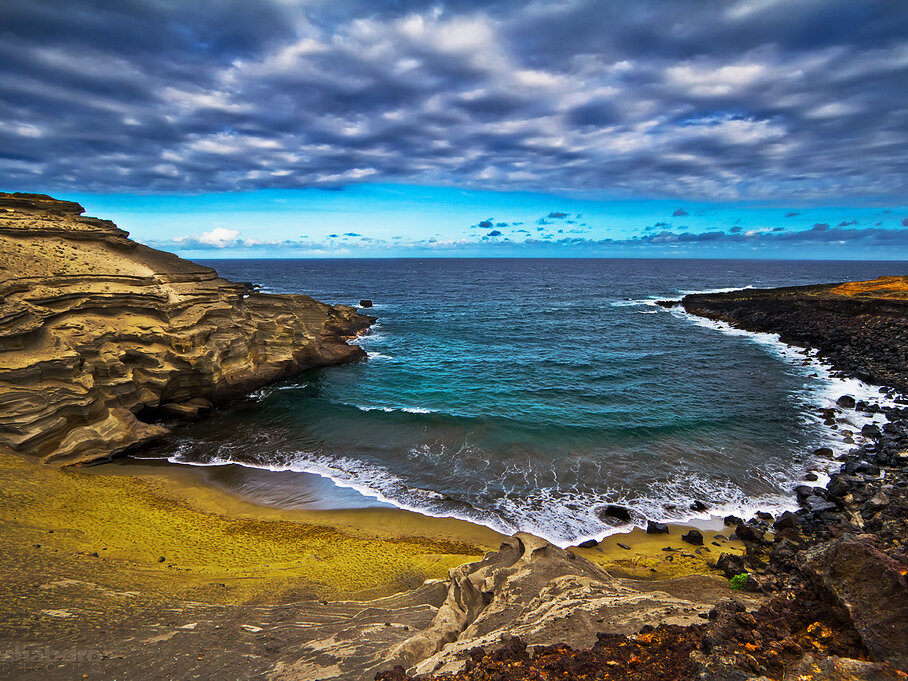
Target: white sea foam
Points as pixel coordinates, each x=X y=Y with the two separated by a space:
x=821 y=390
x=715 y=290
x=374 y=354
x=565 y=516
x=409 y=410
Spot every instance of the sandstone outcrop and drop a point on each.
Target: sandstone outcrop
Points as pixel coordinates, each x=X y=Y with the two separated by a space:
x=99 y=333
x=540 y=593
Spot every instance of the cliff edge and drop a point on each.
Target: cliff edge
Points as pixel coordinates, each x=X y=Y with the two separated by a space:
x=99 y=333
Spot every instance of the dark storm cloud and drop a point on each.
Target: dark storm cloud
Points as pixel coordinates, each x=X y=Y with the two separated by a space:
x=680 y=212
x=708 y=98
x=557 y=215
x=494 y=232
x=485 y=224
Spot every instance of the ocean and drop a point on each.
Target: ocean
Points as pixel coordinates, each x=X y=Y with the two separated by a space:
x=525 y=394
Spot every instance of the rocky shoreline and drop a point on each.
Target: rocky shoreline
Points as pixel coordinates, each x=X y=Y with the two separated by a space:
x=104 y=342
x=833 y=573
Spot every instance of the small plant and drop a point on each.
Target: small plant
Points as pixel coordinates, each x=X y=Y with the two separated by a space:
x=738 y=581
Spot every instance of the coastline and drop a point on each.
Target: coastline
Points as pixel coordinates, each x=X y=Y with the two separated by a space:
x=112 y=558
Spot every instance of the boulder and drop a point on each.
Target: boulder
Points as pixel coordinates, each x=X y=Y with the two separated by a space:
x=731 y=564
x=616 y=512
x=846 y=402
x=747 y=532
x=872 y=588
x=871 y=430
x=693 y=537
x=656 y=528
x=365 y=302
x=588 y=544
x=786 y=520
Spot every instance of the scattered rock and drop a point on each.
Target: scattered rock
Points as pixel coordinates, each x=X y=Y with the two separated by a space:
x=588 y=544
x=656 y=528
x=747 y=532
x=846 y=402
x=693 y=537
x=786 y=520
x=731 y=564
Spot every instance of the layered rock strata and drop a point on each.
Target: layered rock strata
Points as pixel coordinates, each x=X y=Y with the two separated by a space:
x=98 y=333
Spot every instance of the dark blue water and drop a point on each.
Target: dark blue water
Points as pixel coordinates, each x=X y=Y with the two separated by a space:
x=525 y=394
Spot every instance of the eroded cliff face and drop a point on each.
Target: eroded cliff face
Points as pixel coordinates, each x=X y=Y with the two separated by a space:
x=96 y=329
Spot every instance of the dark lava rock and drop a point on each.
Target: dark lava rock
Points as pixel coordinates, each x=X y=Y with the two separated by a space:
x=839 y=485
x=846 y=402
x=588 y=544
x=656 y=528
x=871 y=430
x=365 y=303
x=811 y=477
x=731 y=564
x=693 y=537
x=732 y=520
x=824 y=452
x=819 y=505
x=698 y=506
x=748 y=533
x=624 y=546
x=803 y=491
x=614 y=511
x=874 y=591
x=763 y=515
x=786 y=520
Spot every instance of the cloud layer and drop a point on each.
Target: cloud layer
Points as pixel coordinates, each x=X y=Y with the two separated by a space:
x=754 y=99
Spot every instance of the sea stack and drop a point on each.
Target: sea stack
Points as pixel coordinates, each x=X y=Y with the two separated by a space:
x=99 y=333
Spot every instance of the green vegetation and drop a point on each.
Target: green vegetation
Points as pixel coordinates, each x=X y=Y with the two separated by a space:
x=738 y=581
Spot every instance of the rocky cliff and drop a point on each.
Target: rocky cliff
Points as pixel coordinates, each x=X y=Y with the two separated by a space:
x=861 y=327
x=100 y=335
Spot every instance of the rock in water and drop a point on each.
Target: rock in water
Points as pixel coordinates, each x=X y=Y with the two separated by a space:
x=616 y=512
x=96 y=330
x=365 y=303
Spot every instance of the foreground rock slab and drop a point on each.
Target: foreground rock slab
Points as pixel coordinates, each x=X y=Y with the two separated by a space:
x=100 y=335
x=540 y=593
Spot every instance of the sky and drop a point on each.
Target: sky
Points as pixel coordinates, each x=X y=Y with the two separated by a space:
x=564 y=128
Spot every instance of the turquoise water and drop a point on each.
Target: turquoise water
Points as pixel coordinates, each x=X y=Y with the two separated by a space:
x=524 y=394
